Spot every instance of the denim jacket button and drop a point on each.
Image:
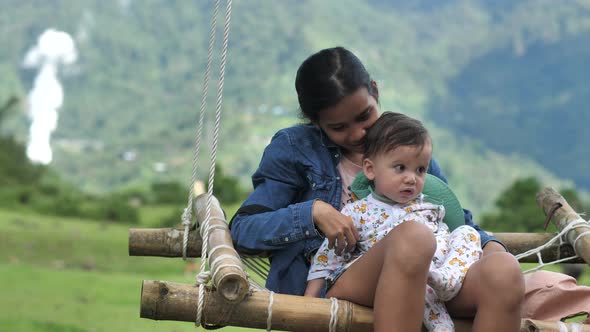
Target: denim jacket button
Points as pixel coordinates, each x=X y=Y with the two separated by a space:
x=307 y=233
x=336 y=155
x=286 y=239
x=313 y=185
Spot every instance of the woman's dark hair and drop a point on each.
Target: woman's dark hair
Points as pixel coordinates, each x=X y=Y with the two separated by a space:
x=326 y=77
x=393 y=130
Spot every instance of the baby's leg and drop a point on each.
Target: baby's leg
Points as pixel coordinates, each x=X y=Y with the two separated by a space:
x=464 y=249
x=436 y=317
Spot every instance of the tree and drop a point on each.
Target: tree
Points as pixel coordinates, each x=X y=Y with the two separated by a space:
x=517 y=210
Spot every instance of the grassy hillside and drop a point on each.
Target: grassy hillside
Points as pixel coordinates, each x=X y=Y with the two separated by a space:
x=535 y=95
x=136 y=86
x=71 y=275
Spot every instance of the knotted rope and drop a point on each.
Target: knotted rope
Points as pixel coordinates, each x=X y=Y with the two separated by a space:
x=204 y=275
x=560 y=236
x=205 y=226
x=187 y=214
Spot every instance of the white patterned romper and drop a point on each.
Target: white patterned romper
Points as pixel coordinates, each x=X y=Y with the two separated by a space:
x=374 y=219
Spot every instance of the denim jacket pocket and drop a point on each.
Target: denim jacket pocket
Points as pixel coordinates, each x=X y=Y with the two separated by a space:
x=321 y=186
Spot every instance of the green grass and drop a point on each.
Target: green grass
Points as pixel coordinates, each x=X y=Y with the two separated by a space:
x=60 y=274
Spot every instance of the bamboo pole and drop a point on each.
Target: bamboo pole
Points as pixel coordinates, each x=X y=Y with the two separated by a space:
x=229 y=276
x=162 y=300
x=172 y=301
x=167 y=242
x=564 y=215
x=163 y=242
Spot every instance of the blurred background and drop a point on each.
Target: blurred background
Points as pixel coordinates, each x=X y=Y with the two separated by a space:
x=99 y=104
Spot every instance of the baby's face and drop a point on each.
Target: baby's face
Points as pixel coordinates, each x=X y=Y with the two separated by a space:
x=399 y=174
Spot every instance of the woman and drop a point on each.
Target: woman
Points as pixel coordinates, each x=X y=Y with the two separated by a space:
x=302 y=182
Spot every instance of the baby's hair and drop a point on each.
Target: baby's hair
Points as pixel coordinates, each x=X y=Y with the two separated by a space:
x=393 y=130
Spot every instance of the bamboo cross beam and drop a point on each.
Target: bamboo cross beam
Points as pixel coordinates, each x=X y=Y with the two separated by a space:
x=518 y=243
x=228 y=273
x=162 y=300
x=167 y=242
x=547 y=199
x=163 y=242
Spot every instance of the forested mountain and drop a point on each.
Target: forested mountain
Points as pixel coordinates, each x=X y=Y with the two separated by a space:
x=501 y=84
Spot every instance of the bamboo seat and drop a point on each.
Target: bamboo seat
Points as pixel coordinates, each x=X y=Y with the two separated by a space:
x=229 y=300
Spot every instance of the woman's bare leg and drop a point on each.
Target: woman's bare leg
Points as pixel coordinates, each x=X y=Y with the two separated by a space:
x=391 y=278
x=493 y=292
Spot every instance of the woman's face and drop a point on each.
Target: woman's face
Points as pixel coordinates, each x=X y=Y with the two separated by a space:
x=346 y=122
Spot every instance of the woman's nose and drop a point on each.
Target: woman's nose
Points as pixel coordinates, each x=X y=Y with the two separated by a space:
x=358 y=134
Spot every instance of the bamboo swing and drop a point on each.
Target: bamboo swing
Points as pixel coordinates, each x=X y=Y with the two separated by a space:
x=229 y=301
x=232 y=298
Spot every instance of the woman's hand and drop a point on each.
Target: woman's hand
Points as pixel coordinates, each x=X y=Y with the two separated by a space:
x=338 y=228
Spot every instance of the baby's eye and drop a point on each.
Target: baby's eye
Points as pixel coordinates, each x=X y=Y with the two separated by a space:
x=421 y=170
x=399 y=168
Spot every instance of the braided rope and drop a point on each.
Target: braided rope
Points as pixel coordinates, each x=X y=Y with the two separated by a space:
x=187 y=214
x=269 y=309
x=559 y=236
x=563 y=327
x=333 y=314
x=205 y=229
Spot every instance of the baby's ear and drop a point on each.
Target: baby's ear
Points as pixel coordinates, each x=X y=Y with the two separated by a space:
x=369 y=169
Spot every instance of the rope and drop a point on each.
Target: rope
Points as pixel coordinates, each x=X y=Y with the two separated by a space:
x=187 y=214
x=269 y=309
x=205 y=276
x=572 y=225
x=333 y=315
x=576 y=327
x=221 y=246
x=579 y=237
x=563 y=327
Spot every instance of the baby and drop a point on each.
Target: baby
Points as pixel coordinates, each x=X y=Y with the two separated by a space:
x=398 y=150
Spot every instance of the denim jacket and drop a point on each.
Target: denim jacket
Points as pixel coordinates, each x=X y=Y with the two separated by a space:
x=297 y=167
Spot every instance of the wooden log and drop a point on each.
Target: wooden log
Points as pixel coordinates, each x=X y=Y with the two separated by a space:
x=562 y=217
x=162 y=300
x=167 y=242
x=227 y=270
x=229 y=276
x=172 y=301
x=163 y=242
